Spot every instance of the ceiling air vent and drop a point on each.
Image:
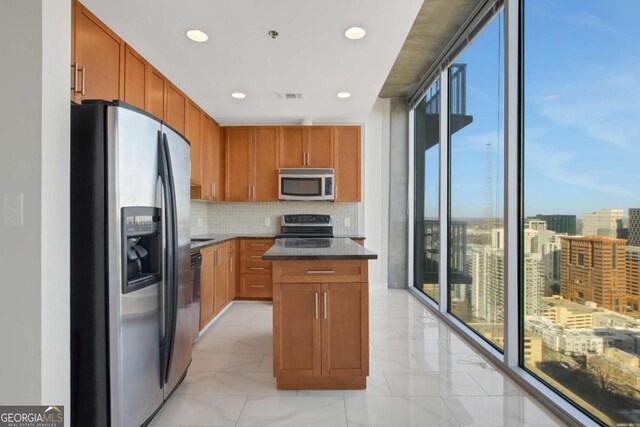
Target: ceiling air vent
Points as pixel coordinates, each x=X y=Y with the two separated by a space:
x=289 y=96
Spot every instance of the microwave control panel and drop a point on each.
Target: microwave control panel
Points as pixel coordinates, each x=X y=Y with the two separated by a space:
x=328 y=186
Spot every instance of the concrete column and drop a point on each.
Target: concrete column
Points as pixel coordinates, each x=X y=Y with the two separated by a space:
x=398 y=187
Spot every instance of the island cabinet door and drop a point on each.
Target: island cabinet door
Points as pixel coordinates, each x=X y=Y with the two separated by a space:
x=345 y=329
x=296 y=330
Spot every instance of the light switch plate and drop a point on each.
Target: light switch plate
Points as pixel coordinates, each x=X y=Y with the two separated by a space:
x=267 y=221
x=347 y=222
x=12 y=207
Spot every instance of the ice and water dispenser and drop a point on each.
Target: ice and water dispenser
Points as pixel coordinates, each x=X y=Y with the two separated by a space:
x=141 y=247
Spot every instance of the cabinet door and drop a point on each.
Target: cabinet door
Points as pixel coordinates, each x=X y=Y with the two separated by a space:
x=134 y=78
x=347 y=164
x=345 y=330
x=265 y=176
x=296 y=330
x=175 y=110
x=292 y=147
x=217 y=162
x=238 y=151
x=207 y=167
x=100 y=53
x=155 y=92
x=320 y=146
x=194 y=135
x=207 y=278
x=220 y=297
x=232 y=271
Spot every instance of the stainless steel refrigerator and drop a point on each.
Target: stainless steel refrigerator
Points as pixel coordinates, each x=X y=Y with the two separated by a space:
x=130 y=264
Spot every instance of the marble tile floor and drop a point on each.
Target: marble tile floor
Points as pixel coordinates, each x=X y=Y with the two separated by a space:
x=422 y=374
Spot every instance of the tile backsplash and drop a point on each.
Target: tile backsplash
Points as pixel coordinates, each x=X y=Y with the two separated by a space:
x=207 y=217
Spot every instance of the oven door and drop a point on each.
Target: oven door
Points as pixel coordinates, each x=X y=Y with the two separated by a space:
x=302 y=187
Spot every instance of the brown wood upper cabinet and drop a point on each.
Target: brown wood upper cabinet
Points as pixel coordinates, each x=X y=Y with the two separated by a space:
x=97 y=58
x=194 y=135
x=175 y=109
x=212 y=162
x=252 y=163
x=135 y=77
x=306 y=147
x=144 y=86
x=347 y=163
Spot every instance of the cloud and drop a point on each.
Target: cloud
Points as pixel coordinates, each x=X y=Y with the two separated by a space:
x=555 y=163
x=603 y=104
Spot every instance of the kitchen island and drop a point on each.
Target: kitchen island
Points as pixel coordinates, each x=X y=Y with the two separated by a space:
x=320 y=313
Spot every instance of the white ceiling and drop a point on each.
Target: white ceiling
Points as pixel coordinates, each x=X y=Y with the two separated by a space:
x=311 y=56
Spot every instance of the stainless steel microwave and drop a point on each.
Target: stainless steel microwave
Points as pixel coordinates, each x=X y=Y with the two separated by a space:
x=306 y=184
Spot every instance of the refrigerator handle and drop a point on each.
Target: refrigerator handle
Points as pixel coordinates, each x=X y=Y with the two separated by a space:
x=171 y=278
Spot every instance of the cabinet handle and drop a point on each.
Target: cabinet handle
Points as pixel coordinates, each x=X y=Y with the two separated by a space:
x=256 y=268
x=320 y=271
x=257 y=286
x=231 y=264
x=316 y=305
x=256 y=256
x=215 y=190
x=74 y=84
x=308 y=159
x=211 y=189
x=84 y=75
x=257 y=245
x=304 y=158
x=325 y=305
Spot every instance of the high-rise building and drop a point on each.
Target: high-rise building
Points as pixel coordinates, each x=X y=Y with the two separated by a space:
x=634 y=227
x=633 y=277
x=603 y=222
x=594 y=269
x=535 y=224
x=533 y=284
x=560 y=223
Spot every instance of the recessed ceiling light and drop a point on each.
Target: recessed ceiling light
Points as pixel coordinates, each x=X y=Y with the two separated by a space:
x=355 y=33
x=197 y=36
x=343 y=95
x=238 y=95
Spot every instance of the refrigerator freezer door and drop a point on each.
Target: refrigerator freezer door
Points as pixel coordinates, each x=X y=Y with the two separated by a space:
x=179 y=152
x=134 y=318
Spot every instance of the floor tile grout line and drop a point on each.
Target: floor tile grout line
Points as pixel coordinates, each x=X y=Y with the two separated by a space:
x=246 y=399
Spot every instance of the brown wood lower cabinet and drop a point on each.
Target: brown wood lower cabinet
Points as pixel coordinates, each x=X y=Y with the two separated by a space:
x=207 y=279
x=320 y=324
x=217 y=280
x=255 y=280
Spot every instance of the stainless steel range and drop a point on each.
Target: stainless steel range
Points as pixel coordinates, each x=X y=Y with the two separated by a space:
x=306 y=225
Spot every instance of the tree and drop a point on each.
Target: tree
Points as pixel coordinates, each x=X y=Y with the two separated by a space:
x=609 y=375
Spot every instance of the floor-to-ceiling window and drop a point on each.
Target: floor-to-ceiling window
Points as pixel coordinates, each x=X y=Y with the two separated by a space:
x=476 y=165
x=580 y=255
x=427 y=185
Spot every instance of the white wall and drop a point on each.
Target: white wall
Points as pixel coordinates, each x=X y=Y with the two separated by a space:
x=374 y=211
x=34 y=161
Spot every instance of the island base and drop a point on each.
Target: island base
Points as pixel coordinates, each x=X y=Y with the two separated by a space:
x=315 y=383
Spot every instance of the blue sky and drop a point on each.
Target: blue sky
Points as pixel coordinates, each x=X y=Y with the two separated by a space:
x=582 y=111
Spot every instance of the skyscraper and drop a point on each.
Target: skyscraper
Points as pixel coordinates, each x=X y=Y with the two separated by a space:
x=603 y=222
x=594 y=269
x=634 y=227
x=560 y=223
x=633 y=277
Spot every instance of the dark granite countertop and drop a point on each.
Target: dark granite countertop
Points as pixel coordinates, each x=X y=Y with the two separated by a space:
x=317 y=249
x=216 y=238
